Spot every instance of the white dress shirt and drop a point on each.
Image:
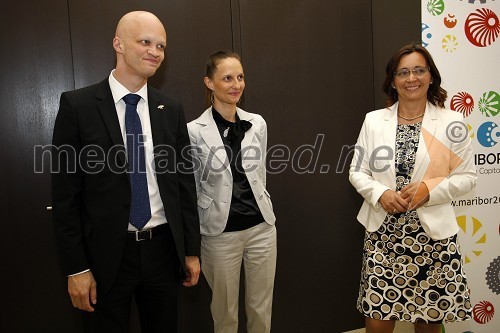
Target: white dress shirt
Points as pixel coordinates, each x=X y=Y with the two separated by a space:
x=119 y=91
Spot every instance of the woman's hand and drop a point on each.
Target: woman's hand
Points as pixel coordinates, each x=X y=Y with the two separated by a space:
x=415 y=194
x=392 y=202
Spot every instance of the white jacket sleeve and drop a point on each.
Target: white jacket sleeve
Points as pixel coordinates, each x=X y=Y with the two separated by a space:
x=360 y=171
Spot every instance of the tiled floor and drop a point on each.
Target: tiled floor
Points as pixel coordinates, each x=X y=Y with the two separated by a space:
x=401 y=327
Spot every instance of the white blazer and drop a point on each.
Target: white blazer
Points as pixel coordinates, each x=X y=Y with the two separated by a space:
x=444 y=162
x=214 y=180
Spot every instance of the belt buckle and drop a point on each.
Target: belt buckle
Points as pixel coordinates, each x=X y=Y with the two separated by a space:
x=149 y=232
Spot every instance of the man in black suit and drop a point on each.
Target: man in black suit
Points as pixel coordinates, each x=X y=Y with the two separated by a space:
x=119 y=163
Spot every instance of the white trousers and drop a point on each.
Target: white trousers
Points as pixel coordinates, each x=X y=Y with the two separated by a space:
x=221 y=259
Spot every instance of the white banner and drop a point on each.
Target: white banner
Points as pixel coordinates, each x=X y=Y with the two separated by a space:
x=463 y=38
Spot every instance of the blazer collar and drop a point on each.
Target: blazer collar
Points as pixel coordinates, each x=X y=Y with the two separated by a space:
x=207 y=118
x=430 y=115
x=389 y=133
x=249 y=135
x=106 y=106
x=210 y=134
x=107 y=109
x=427 y=135
x=429 y=124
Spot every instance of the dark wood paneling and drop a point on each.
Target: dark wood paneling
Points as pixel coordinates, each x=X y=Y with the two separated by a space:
x=35 y=66
x=195 y=29
x=309 y=72
x=395 y=23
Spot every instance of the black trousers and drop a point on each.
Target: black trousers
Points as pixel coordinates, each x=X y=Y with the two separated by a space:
x=150 y=272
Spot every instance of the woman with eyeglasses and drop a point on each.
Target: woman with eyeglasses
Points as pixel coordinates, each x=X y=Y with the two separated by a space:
x=411 y=160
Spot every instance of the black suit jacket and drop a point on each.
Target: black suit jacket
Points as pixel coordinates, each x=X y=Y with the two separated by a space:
x=90 y=187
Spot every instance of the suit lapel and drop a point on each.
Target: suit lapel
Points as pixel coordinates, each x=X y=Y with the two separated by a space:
x=389 y=132
x=248 y=138
x=156 y=114
x=426 y=138
x=210 y=134
x=107 y=108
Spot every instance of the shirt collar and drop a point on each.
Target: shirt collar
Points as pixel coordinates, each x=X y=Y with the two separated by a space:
x=119 y=91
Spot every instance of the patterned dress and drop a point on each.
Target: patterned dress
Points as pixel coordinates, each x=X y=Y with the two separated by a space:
x=407 y=276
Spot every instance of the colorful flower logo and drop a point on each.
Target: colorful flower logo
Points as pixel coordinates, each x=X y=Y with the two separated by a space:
x=450 y=21
x=482 y=27
x=489 y=103
x=471 y=132
x=435 y=7
x=483 y=312
x=463 y=103
x=449 y=43
x=493 y=276
x=486 y=134
x=426 y=34
x=474 y=236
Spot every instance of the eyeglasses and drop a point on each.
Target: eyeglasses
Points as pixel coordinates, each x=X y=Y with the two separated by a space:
x=417 y=71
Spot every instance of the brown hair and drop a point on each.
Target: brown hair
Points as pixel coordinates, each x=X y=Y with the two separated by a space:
x=212 y=63
x=435 y=94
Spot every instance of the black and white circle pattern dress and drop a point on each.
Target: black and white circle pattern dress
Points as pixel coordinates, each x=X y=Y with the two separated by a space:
x=405 y=275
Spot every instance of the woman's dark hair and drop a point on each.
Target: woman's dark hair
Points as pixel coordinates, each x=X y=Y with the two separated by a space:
x=435 y=95
x=212 y=63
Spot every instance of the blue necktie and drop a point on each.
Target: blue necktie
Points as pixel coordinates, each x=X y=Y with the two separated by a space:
x=140 y=208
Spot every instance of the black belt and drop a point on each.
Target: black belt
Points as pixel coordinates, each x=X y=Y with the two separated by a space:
x=146 y=234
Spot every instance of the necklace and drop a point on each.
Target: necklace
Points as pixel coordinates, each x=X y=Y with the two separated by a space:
x=412 y=118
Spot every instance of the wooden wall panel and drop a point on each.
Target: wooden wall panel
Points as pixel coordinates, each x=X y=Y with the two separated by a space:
x=35 y=66
x=395 y=23
x=309 y=72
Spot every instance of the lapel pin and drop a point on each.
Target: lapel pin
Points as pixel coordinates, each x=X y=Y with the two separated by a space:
x=161 y=106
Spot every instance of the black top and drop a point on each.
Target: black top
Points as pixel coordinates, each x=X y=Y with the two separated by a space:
x=244 y=212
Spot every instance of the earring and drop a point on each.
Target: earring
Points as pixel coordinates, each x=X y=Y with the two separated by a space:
x=393 y=86
x=212 y=97
x=431 y=82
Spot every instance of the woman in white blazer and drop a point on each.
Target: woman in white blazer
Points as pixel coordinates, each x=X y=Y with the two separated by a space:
x=236 y=214
x=411 y=159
